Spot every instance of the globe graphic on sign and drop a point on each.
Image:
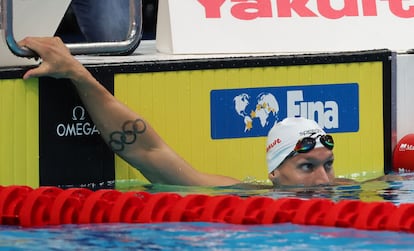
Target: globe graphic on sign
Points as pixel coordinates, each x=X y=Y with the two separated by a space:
x=264 y=107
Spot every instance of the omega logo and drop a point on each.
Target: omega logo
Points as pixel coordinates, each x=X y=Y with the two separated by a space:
x=79 y=127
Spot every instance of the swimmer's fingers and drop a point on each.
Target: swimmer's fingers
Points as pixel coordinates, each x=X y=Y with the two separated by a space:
x=43 y=46
x=46 y=69
x=56 y=58
x=39 y=71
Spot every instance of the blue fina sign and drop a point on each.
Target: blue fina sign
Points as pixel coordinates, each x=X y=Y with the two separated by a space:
x=251 y=112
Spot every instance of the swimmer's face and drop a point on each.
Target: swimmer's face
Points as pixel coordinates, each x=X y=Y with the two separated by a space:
x=308 y=169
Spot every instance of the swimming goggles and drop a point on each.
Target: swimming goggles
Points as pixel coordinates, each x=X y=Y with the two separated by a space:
x=306 y=144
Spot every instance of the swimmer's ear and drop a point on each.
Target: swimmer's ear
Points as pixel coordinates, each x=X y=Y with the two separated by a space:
x=274 y=175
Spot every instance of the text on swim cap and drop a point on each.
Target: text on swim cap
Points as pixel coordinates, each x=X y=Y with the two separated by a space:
x=274 y=143
x=311 y=132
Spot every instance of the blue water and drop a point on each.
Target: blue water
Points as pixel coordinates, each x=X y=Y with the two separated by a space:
x=215 y=236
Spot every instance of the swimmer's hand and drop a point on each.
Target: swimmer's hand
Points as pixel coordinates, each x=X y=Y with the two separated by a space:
x=56 y=59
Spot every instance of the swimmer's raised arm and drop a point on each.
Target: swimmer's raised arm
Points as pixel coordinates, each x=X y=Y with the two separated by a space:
x=127 y=133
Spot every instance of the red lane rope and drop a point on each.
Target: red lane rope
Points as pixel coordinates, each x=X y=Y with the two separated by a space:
x=28 y=207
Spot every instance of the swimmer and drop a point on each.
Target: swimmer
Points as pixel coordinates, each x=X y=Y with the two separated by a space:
x=299 y=152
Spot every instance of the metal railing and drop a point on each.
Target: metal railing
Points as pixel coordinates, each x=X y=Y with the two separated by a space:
x=124 y=47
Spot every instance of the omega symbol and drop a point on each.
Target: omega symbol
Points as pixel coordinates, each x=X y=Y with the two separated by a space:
x=79 y=127
x=78 y=110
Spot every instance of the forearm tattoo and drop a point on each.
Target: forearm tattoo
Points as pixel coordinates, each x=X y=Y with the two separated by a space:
x=128 y=135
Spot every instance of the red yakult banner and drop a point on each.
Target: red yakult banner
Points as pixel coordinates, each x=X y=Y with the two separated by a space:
x=260 y=26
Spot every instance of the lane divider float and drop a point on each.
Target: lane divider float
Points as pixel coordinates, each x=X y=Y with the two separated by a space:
x=45 y=206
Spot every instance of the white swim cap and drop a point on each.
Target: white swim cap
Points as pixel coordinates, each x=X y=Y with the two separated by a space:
x=283 y=136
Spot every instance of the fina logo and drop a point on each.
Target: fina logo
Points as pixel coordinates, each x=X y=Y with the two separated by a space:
x=325 y=113
x=252 y=112
x=78 y=127
x=266 y=105
x=267 y=109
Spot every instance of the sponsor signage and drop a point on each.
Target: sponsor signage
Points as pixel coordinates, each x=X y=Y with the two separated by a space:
x=406 y=147
x=71 y=150
x=251 y=112
x=250 y=26
x=78 y=126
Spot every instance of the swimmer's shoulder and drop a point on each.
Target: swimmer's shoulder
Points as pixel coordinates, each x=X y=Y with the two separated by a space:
x=255 y=186
x=344 y=181
x=251 y=186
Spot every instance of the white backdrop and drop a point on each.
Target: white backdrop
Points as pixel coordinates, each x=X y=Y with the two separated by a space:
x=32 y=18
x=405 y=95
x=220 y=26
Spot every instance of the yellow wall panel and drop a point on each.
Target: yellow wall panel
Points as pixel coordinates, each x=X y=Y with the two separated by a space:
x=177 y=104
x=19 y=132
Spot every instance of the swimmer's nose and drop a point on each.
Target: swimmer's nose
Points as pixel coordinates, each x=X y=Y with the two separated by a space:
x=321 y=177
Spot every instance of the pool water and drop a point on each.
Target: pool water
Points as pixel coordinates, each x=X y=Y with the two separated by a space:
x=396 y=192
x=220 y=236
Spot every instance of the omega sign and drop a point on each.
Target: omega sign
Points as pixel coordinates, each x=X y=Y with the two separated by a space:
x=78 y=126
